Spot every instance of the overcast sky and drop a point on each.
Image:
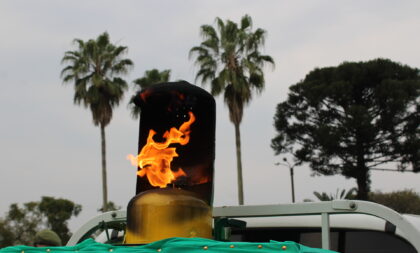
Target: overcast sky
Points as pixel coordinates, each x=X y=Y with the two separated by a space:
x=49 y=146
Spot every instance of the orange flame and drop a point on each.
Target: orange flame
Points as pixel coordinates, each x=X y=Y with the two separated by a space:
x=154 y=160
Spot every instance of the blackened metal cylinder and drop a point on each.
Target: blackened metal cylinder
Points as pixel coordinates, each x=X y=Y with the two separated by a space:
x=167 y=105
x=175 y=164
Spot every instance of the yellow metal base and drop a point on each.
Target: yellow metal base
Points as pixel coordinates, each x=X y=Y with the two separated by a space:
x=163 y=213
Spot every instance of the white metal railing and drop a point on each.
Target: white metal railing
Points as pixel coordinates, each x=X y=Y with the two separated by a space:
x=94 y=223
x=324 y=208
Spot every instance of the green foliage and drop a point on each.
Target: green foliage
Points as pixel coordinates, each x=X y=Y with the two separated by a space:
x=343 y=194
x=229 y=58
x=57 y=212
x=95 y=68
x=20 y=224
x=111 y=206
x=150 y=78
x=7 y=237
x=406 y=201
x=353 y=117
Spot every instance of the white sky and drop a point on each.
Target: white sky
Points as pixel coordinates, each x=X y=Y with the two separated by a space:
x=49 y=147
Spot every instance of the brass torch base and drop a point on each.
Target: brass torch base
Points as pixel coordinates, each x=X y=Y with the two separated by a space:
x=163 y=213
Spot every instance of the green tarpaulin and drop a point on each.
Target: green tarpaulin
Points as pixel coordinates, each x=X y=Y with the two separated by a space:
x=173 y=245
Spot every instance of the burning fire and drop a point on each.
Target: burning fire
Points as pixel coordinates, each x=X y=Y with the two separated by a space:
x=154 y=160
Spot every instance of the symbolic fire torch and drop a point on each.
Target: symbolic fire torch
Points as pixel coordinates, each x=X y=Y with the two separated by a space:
x=175 y=164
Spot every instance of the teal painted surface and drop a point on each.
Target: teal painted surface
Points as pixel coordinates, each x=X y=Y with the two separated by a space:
x=173 y=245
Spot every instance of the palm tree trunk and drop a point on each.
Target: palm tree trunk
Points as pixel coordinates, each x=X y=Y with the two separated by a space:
x=239 y=164
x=104 y=180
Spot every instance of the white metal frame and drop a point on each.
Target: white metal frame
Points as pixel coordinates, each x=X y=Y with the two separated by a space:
x=94 y=223
x=324 y=208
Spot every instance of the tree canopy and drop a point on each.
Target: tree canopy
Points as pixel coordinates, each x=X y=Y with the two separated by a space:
x=20 y=224
x=405 y=201
x=230 y=59
x=351 y=118
x=95 y=68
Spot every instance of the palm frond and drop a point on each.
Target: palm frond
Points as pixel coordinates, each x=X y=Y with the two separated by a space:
x=229 y=59
x=197 y=50
x=230 y=33
x=95 y=67
x=121 y=67
x=208 y=32
x=103 y=40
x=80 y=43
x=211 y=44
x=118 y=51
x=255 y=58
x=67 y=78
x=70 y=56
x=66 y=71
x=266 y=58
x=152 y=77
x=205 y=75
x=134 y=109
x=256 y=40
x=217 y=86
x=220 y=24
x=246 y=22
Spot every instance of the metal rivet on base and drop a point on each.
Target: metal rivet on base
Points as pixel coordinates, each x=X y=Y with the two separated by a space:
x=232 y=246
x=110 y=250
x=284 y=247
x=48 y=250
x=205 y=247
x=260 y=246
x=159 y=250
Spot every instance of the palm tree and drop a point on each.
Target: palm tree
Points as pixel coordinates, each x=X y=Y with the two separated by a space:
x=229 y=58
x=343 y=194
x=150 y=78
x=95 y=67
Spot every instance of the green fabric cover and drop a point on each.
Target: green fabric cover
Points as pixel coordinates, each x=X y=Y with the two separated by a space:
x=173 y=245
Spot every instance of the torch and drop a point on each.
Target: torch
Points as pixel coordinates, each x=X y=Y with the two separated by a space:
x=175 y=162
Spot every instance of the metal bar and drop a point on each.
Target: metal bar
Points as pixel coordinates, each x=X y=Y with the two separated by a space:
x=94 y=223
x=278 y=210
x=325 y=218
x=411 y=234
x=331 y=207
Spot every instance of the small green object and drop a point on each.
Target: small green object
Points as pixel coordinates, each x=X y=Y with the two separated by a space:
x=223 y=226
x=48 y=238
